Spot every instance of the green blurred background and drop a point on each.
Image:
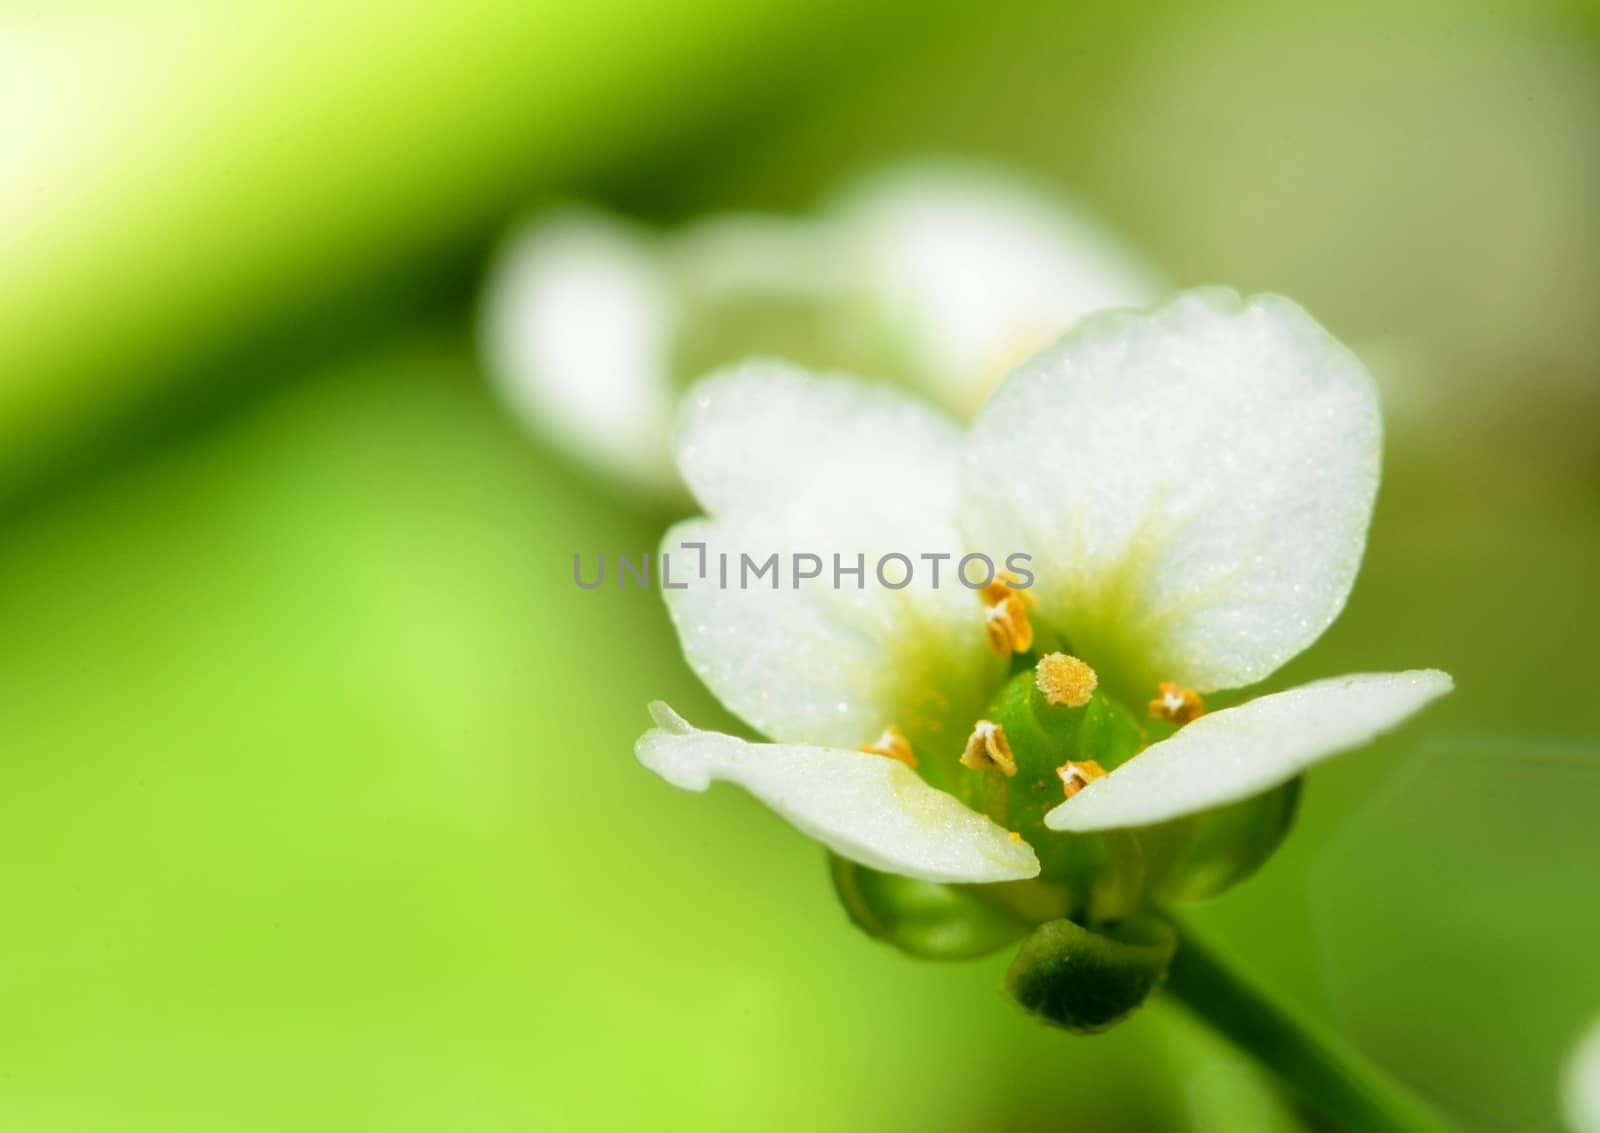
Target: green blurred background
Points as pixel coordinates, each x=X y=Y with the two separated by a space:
x=317 y=809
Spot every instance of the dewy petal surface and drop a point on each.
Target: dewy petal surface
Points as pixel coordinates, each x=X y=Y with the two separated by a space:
x=788 y=463
x=578 y=320
x=1239 y=752
x=867 y=808
x=977 y=269
x=1195 y=484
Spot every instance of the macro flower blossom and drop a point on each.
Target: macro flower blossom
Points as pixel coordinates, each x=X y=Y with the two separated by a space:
x=936 y=274
x=1193 y=485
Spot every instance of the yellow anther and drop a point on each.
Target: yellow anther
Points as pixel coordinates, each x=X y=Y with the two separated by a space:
x=1176 y=704
x=987 y=747
x=1005 y=615
x=1014 y=836
x=1075 y=776
x=1008 y=626
x=892 y=744
x=1065 y=680
x=1003 y=586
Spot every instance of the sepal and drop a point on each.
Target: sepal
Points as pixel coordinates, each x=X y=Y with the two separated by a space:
x=922 y=918
x=1200 y=855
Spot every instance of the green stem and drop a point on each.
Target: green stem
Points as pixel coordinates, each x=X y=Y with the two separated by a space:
x=1326 y=1074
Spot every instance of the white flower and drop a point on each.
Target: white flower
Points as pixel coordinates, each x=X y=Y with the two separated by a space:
x=1194 y=486
x=936 y=274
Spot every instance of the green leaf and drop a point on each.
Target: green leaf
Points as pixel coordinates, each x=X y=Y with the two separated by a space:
x=1089 y=981
x=931 y=921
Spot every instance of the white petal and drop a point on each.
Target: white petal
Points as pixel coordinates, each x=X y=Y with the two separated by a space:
x=977 y=270
x=1581 y=1083
x=865 y=807
x=578 y=320
x=767 y=433
x=1238 y=752
x=1195 y=483
x=792 y=464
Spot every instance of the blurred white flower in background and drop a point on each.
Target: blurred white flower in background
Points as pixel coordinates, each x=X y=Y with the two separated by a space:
x=974 y=271
x=576 y=325
x=1581 y=1083
x=938 y=274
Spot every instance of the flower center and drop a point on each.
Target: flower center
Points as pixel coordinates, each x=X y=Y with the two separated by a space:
x=1064 y=682
x=1049 y=732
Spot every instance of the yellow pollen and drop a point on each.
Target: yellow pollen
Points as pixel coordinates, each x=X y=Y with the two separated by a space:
x=1002 y=586
x=892 y=744
x=1005 y=615
x=987 y=747
x=1014 y=836
x=1065 y=680
x=1008 y=627
x=1078 y=775
x=1176 y=704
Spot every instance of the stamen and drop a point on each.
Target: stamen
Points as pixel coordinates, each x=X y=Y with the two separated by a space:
x=1176 y=704
x=892 y=744
x=987 y=747
x=1005 y=615
x=1008 y=626
x=1000 y=588
x=1065 y=680
x=1076 y=776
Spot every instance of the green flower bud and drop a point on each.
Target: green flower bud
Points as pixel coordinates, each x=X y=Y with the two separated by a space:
x=1087 y=981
